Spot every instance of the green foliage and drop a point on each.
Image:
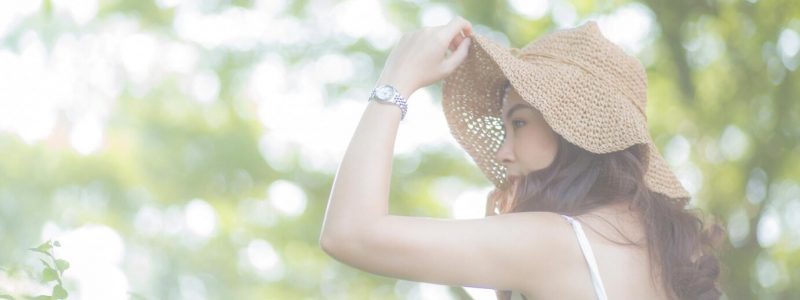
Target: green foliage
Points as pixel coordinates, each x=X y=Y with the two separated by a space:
x=715 y=71
x=53 y=270
x=52 y=273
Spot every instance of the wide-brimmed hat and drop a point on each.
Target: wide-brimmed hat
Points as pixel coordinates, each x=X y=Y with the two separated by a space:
x=589 y=90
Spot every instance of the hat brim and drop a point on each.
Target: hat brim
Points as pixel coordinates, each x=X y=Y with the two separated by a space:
x=471 y=102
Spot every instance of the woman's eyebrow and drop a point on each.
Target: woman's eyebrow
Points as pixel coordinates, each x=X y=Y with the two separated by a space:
x=515 y=107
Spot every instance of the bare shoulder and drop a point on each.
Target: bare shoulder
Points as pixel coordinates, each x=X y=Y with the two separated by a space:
x=538 y=227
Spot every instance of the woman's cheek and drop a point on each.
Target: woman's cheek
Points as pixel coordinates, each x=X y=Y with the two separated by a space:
x=539 y=148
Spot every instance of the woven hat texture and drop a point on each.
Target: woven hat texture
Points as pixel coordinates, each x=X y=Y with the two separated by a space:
x=587 y=88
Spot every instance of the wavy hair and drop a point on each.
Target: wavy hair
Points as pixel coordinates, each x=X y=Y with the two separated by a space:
x=578 y=181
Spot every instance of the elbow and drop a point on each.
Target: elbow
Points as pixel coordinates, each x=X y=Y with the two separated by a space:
x=328 y=238
x=333 y=238
x=342 y=247
x=345 y=241
x=331 y=243
x=326 y=244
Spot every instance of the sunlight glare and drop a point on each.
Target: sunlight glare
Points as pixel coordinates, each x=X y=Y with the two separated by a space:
x=532 y=9
x=677 y=151
x=435 y=15
x=365 y=19
x=733 y=143
x=24 y=106
x=630 y=27
x=260 y=256
x=95 y=253
x=769 y=229
x=81 y=11
x=87 y=135
x=12 y=12
x=200 y=218
x=287 y=198
x=470 y=204
x=564 y=14
x=205 y=86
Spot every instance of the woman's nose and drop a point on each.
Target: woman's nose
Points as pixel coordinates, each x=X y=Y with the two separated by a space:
x=504 y=155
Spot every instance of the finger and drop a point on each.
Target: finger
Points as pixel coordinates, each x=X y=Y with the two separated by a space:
x=455 y=42
x=457 y=57
x=456 y=26
x=461 y=26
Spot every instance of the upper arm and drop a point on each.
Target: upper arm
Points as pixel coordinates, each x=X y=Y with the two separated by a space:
x=500 y=252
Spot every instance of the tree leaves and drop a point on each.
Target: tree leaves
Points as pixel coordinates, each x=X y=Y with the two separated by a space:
x=59 y=292
x=62 y=265
x=53 y=270
x=48 y=274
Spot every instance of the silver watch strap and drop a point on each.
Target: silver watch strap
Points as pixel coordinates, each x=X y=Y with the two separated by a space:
x=397 y=100
x=401 y=102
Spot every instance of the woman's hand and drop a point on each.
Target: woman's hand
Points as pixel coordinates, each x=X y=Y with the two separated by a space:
x=419 y=59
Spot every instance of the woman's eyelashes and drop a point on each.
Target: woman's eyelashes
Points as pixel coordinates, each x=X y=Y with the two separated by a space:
x=514 y=125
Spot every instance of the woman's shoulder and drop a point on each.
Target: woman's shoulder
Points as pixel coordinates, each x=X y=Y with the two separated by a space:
x=563 y=255
x=554 y=225
x=567 y=261
x=551 y=227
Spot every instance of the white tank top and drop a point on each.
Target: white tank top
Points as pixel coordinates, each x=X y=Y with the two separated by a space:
x=586 y=249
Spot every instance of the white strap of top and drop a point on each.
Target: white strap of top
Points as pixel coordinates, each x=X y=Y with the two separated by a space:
x=589 y=255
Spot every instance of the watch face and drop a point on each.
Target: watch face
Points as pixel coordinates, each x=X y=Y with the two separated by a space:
x=384 y=93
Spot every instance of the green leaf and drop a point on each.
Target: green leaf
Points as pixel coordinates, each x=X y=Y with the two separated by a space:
x=49 y=274
x=59 y=292
x=43 y=248
x=4 y=296
x=43 y=297
x=62 y=265
x=46 y=264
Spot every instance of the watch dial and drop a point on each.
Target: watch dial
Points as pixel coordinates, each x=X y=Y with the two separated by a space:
x=384 y=93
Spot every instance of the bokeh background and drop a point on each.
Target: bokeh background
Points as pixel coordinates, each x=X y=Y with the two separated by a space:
x=186 y=149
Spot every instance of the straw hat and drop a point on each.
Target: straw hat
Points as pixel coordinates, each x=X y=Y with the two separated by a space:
x=587 y=88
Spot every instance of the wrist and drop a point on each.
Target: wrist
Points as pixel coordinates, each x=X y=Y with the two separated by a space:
x=387 y=93
x=404 y=87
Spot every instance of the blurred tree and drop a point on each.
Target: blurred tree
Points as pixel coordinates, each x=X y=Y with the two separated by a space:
x=189 y=183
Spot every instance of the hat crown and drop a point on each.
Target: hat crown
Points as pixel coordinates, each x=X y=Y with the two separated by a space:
x=586 y=47
x=587 y=89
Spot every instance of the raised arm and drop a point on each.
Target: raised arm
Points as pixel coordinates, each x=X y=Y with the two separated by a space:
x=360 y=193
x=500 y=252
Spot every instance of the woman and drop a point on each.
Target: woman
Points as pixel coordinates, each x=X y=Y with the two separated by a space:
x=584 y=206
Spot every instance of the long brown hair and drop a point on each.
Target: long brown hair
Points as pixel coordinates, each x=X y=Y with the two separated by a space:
x=578 y=181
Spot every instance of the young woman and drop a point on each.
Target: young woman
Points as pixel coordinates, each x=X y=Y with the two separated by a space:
x=584 y=206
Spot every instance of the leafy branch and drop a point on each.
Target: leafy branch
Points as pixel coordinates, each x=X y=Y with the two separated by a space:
x=53 y=270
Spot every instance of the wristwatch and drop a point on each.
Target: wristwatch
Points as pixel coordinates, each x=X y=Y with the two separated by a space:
x=388 y=94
